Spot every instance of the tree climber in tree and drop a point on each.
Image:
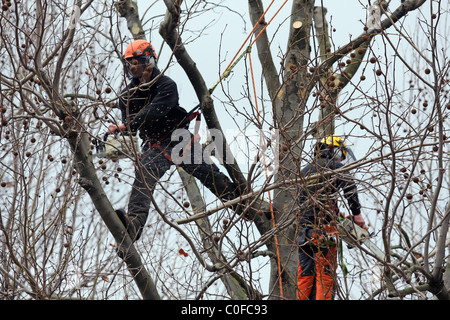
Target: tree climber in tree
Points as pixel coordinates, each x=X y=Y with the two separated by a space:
x=317 y=234
x=149 y=107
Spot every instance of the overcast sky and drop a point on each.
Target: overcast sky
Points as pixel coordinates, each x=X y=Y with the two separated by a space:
x=220 y=34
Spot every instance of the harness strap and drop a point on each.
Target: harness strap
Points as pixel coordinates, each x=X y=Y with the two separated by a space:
x=193 y=114
x=196 y=130
x=160 y=147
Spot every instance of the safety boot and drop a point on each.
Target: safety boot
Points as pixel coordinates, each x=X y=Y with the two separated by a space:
x=134 y=232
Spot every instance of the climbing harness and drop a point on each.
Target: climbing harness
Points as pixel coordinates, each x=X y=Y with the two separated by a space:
x=191 y=115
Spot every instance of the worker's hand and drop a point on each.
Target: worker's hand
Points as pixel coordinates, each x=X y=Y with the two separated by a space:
x=359 y=220
x=113 y=128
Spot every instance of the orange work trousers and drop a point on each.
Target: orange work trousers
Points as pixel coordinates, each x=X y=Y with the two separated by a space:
x=316 y=269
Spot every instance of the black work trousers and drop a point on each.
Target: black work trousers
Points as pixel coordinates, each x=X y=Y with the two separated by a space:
x=156 y=159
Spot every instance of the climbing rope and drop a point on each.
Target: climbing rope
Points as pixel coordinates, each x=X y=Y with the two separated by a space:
x=264 y=158
x=267 y=178
x=237 y=57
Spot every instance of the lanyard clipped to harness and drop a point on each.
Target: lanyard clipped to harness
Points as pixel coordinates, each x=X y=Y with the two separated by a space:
x=193 y=114
x=196 y=114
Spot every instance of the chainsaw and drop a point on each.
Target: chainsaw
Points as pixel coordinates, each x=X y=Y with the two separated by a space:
x=116 y=146
x=353 y=234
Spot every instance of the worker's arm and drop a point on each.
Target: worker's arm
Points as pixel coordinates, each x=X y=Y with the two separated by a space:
x=351 y=194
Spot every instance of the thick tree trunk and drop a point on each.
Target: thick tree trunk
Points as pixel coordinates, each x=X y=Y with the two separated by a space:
x=289 y=112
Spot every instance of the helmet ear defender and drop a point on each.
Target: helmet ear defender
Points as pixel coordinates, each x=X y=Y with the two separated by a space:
x=151 y=61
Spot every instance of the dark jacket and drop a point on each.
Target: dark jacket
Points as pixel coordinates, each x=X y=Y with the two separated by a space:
x=321 y=193
x=153 y=111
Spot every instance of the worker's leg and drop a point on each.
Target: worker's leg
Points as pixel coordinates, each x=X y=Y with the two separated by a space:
x=306 y=275
x=306 y=264
x=211 y=177
x=152 y=166
x=326 y=271
x=194 y=163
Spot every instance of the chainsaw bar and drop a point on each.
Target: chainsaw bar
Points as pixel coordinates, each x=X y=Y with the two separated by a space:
x=351 y=233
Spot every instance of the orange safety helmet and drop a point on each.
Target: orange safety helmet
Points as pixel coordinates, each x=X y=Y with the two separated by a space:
x=138 y=48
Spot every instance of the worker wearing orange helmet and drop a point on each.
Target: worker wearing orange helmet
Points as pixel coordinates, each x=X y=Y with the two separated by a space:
x=150 y=107
x=317 y=234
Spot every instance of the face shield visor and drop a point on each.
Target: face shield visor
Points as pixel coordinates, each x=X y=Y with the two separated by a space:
x=135 y=66
x=341 y=151
x=349 y=155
